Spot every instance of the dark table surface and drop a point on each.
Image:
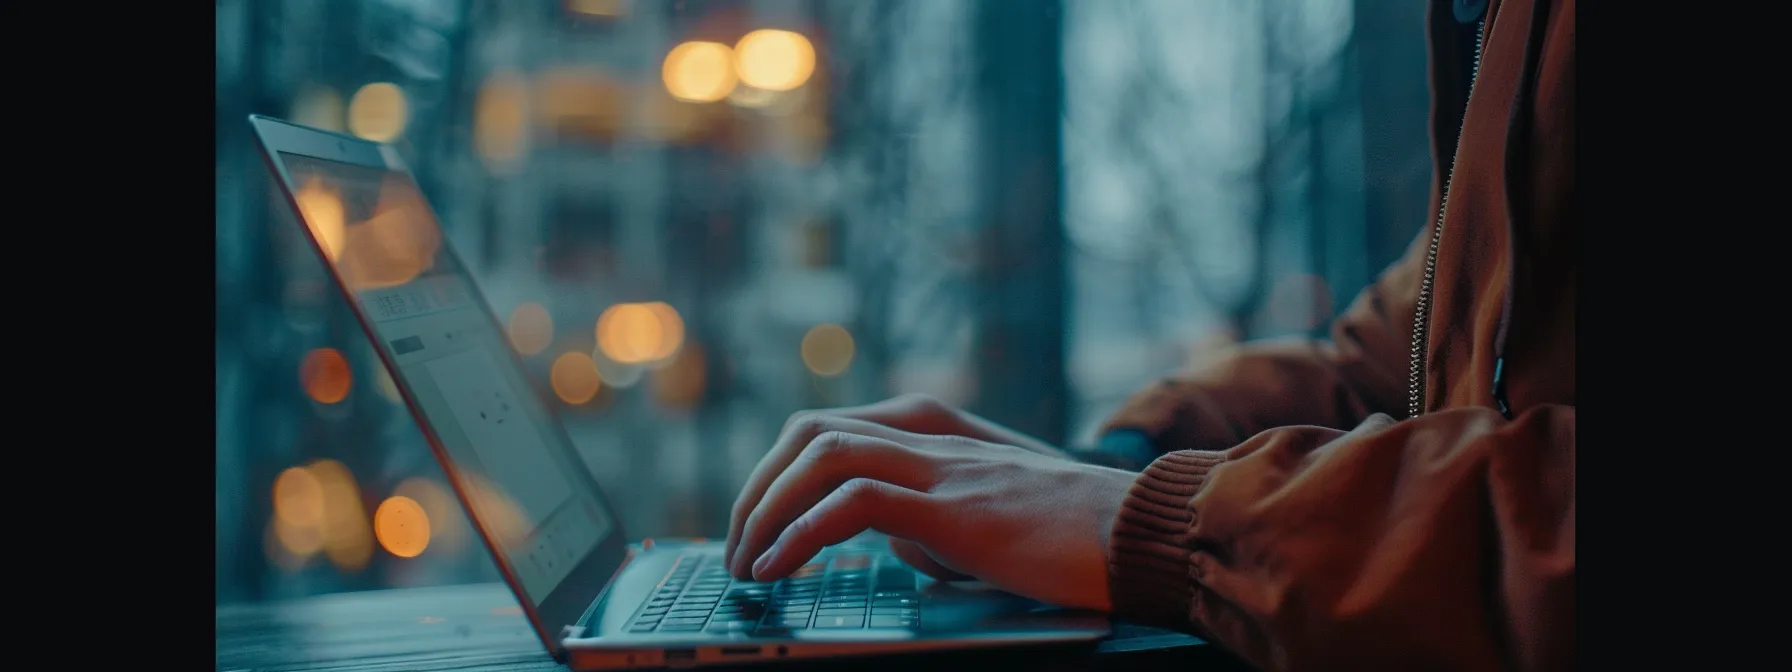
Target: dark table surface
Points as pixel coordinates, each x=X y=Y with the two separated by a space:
x=479 y=628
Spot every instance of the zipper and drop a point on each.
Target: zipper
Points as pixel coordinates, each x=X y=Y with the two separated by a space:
x=1421 y=320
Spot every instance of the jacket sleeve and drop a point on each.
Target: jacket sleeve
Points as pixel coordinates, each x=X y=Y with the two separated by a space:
x=1440 y=542
x=1337 y=383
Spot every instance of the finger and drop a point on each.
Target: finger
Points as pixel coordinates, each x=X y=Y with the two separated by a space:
x=823 y=466
x=918 y=558
x=861 y=504
x=801 y=429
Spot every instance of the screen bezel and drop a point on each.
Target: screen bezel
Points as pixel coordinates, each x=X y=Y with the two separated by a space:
x=567 y=603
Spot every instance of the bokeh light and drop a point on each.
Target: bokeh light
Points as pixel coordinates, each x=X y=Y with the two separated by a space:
x=827 y=350
x=639 y=333
x=500 y=121
x=671 y=330
x=395 y=245
x=325 y=375
x=699 y=72
x=298 y=498
x=401 y=526
x=774 y=60
x=447 y=530
x=321 y=207
x=531 y=328
x=574 y=377
x=378 y=112
x=347 y=541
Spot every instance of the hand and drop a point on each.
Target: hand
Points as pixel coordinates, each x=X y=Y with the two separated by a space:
x=954 y=506
x=913 y=413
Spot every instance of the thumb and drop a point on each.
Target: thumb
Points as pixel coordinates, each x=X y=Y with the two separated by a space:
x=918 y=557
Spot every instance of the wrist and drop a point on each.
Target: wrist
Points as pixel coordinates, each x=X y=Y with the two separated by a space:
x=1128 y=449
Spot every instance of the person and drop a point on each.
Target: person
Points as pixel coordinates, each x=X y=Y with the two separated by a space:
x=1400 y=495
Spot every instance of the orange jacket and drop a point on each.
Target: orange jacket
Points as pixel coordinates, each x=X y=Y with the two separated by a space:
x=1305 y=516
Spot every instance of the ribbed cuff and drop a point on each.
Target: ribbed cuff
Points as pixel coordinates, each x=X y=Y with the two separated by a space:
x=1148 y=556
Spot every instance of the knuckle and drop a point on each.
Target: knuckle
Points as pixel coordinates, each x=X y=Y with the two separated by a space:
x=802 y=527
x=861 y=491
x=925 y=404
x=809 y=426
x=753 y=521
x=796 y=420
x=830 y=445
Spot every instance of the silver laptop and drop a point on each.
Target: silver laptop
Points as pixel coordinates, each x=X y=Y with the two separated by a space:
x=597 y=601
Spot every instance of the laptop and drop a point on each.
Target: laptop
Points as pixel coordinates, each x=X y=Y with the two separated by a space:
x=596 y=600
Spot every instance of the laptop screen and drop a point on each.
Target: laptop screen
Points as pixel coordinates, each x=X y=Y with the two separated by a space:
x=508 y=457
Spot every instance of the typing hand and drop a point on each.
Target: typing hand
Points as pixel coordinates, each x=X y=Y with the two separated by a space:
x=955 y=506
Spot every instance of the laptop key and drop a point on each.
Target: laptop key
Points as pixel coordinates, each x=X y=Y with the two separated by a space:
x=895 y=602
x=839 y=622
x=691 y=620
x=893 y=622
x=824 y=613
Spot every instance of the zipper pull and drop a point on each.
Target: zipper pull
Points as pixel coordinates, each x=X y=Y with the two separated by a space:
x=1499 y=387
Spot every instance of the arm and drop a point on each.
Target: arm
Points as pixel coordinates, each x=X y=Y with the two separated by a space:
x=1442 y=542
x=1333 y=383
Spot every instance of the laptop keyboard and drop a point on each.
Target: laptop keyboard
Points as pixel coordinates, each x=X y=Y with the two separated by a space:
x=840 y=590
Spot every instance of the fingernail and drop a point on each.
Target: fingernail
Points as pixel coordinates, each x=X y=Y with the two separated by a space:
x=764 y=561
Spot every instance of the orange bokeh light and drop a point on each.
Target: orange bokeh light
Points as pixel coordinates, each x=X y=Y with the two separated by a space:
x=699 y=72
x=827 y=350
x=671 y=329
x=347 y=541
x=638 y=333
x=396 y=244
x=325 y=375
x=447 y=530
x=774 y=60
x=321 y=208
x=401 y=526
x=298 y=498
x=574 y=377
